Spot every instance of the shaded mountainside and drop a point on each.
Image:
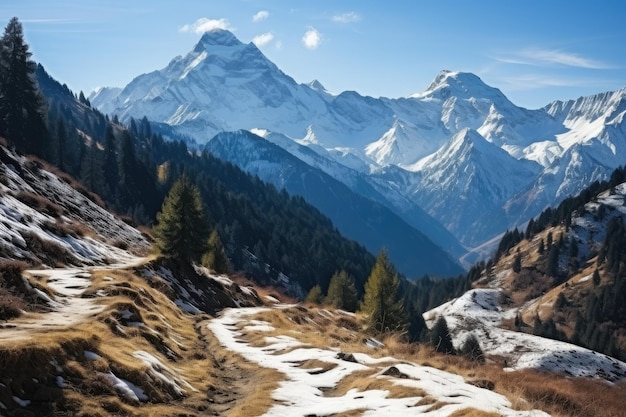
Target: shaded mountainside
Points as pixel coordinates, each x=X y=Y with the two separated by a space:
x=361 y=219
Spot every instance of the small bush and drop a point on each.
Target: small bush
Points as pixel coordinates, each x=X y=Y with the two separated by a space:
x=39 y=203
x=10 y=305
x=471 y=349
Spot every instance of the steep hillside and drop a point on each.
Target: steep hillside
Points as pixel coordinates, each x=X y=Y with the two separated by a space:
x=563 y=280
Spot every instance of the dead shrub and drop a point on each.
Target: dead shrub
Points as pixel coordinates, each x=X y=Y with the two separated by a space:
x=40 y=203
x=48 y=252
x=10 y=305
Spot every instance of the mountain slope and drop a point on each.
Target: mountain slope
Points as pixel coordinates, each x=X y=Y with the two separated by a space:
x=561 y=280
x=465 y=167
x=370 y=223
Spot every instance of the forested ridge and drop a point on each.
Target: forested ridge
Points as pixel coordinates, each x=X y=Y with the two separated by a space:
x=592 y=315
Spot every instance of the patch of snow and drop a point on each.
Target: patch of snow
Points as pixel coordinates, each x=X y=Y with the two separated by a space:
x=21 y=402
x=187 y=307
x=478 y=312
x=272 y=299
x=373 y=343
x=91 y=356
x=60 y=382
x=301 y=391
x=162 y=373
x=126 y=388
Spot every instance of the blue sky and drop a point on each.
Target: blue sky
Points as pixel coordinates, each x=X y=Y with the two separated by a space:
x=534 y=51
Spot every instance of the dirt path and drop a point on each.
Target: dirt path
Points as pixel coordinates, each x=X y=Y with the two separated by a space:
x=232 y=376
x=67 y=307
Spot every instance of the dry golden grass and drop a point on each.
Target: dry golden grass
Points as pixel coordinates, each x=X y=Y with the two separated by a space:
x=174 y=338
x=427 y=400
x=366 y=381
x=352 y=413
x=472 y=412
x=555 y=394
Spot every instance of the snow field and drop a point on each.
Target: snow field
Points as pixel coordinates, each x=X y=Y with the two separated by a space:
x=302 y=392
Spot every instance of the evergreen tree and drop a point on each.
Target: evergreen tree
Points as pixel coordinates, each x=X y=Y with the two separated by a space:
x=91 y=170
x=314 y=295
x=517 y=262
x=215 y=258
x=472 y=350
x=380 y=304
x=342 y=292
x=21 y=112
x=541 y=248
x=440 y=337
x=553 y=261
x=596 y=277
x=110 y=168
x=61 y=144
x=181 y=231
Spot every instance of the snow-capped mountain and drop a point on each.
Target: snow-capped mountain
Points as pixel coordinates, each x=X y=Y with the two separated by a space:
x=357 y=217
x=509 y=164
x=466 y=166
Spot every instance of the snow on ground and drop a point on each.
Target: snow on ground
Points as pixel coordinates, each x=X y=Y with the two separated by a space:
x=301 y=392
x=67 y=307
x=479 y=312
x=25 y=184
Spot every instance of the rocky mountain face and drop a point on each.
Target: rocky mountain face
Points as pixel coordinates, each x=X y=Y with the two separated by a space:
x=460 y=151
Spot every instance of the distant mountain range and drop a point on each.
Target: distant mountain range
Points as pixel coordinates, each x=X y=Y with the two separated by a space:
x=459 y=153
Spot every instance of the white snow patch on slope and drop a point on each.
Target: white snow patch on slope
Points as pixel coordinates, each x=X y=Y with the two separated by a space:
x=479 y=312
x=300 y=393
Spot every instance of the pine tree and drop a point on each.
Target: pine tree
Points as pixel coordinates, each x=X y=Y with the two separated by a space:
x=553 y=261
x=215 y=258
x=440 y=337
x=517 y=262
x=342 y=292
x=314 y=295
x=110 y=168
x=472 y=350
x=181 y=231
x=380 y=302
x=596 y=277
x=21 y=107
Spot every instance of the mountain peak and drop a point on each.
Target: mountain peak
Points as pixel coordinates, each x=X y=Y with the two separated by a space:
x=459 y=84
x=218 y=37
x=317 y=86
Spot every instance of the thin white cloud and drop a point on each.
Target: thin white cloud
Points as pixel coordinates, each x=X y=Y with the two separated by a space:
x=311 y=38
x=348 y=17
x=204 y=24
x=260 y=15
x=263 y=39
x=534 y=81
x=541 y=57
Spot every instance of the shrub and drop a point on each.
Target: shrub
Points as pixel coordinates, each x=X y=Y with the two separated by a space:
x=471 y=349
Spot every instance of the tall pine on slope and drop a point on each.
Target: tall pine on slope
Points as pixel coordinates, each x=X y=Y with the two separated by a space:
x=21 y=119
x=342 y=292
x=380 y=304
x=181 y=231
x=215 y=258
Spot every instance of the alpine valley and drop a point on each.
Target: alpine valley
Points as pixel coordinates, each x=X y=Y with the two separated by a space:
x=457 y=164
